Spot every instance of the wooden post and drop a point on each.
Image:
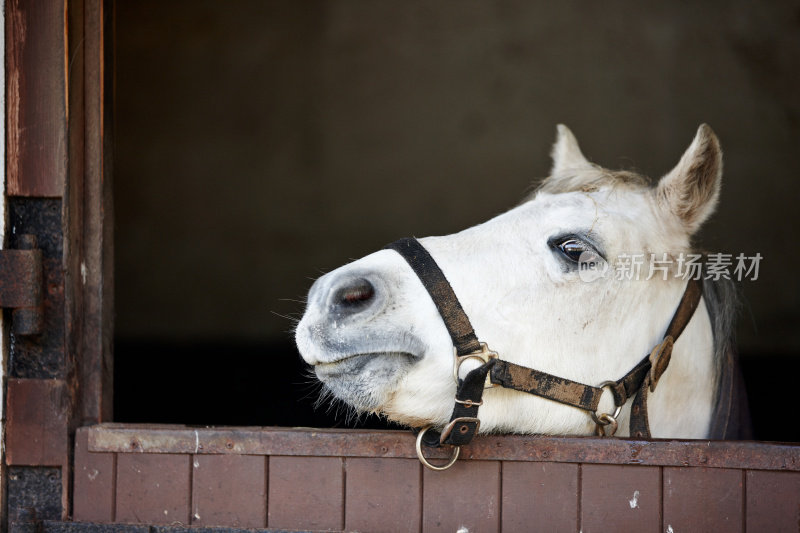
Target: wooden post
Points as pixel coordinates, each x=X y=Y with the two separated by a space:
x=59 y=190
x=3 y=340
x=38 y=413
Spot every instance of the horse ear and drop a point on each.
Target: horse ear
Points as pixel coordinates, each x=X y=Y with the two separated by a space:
x=690 y=191
x=566 y=154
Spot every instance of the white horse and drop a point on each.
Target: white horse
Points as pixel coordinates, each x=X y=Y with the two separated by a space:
x=377 y=342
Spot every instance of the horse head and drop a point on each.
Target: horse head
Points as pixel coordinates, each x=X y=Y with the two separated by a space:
x=541 y=285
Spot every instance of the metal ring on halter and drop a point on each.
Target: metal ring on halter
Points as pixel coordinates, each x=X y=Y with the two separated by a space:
x=450 y=462
x=606 y=419
x=469 y=403
x=483 y=355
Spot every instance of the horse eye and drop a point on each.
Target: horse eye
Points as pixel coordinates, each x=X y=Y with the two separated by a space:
x=574 y=248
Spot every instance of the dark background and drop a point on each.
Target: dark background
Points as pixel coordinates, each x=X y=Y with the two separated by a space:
x=259 y=144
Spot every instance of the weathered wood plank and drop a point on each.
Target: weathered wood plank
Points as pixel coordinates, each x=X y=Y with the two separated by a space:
x=51 y=526
x=540 y=497
x=94 y=483
x=306 y=493
x=181 y=529
x=703 y=499
x=620 y=498
x=400 y=444
x=91 y=270
x=36 y=114
x=37 y=426
x=153 y=488
x=467 y=495
x=229 y=490
x=339 y=492
x=383 y=495
x=255 y=441
x=773 y=501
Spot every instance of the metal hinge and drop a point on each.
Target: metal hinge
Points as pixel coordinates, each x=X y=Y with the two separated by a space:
x=21 y=286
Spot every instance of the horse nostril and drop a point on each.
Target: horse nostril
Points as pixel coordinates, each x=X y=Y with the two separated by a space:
x=355 y=292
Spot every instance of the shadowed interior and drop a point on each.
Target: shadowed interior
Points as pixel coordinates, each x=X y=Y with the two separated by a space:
x=260 y=144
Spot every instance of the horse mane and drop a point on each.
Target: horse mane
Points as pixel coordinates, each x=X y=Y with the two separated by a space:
x=722 y=303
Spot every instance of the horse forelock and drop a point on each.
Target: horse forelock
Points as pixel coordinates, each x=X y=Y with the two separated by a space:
x=591 y=180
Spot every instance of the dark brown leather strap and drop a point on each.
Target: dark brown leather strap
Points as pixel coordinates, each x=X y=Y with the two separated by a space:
x=659 y=358
x=521 y=378
x=686 y=307
x=464 y=423
x=630 y=383
x=587 y=397
x=442 y=294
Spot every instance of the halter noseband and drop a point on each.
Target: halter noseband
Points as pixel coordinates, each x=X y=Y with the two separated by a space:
x=464 y=422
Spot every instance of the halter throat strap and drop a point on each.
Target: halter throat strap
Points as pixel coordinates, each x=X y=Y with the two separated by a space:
x=464 y=423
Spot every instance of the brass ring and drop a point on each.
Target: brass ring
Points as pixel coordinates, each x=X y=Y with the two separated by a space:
x=484 y=356
x=606 y=421
x=460 y=360
x=451 y=462
x=618 y=408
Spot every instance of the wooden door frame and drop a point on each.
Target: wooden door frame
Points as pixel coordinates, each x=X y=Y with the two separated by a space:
x=59 y=111
x=3 y=340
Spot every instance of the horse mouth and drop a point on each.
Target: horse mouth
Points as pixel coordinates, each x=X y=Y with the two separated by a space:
x=355 y=364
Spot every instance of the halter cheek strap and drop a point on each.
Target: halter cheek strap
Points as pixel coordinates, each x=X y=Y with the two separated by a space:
x=464 y=421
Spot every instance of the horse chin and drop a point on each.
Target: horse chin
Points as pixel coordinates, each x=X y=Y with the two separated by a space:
x=402 y=417
x=365 y=380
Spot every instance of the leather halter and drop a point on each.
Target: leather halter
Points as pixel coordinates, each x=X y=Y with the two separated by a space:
x=464 y=421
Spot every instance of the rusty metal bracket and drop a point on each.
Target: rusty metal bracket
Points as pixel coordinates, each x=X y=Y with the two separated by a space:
x=21 y=286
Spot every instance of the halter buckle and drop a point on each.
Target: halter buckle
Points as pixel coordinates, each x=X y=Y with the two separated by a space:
x=484 y=355
x=659 y=359
x=461 y=428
